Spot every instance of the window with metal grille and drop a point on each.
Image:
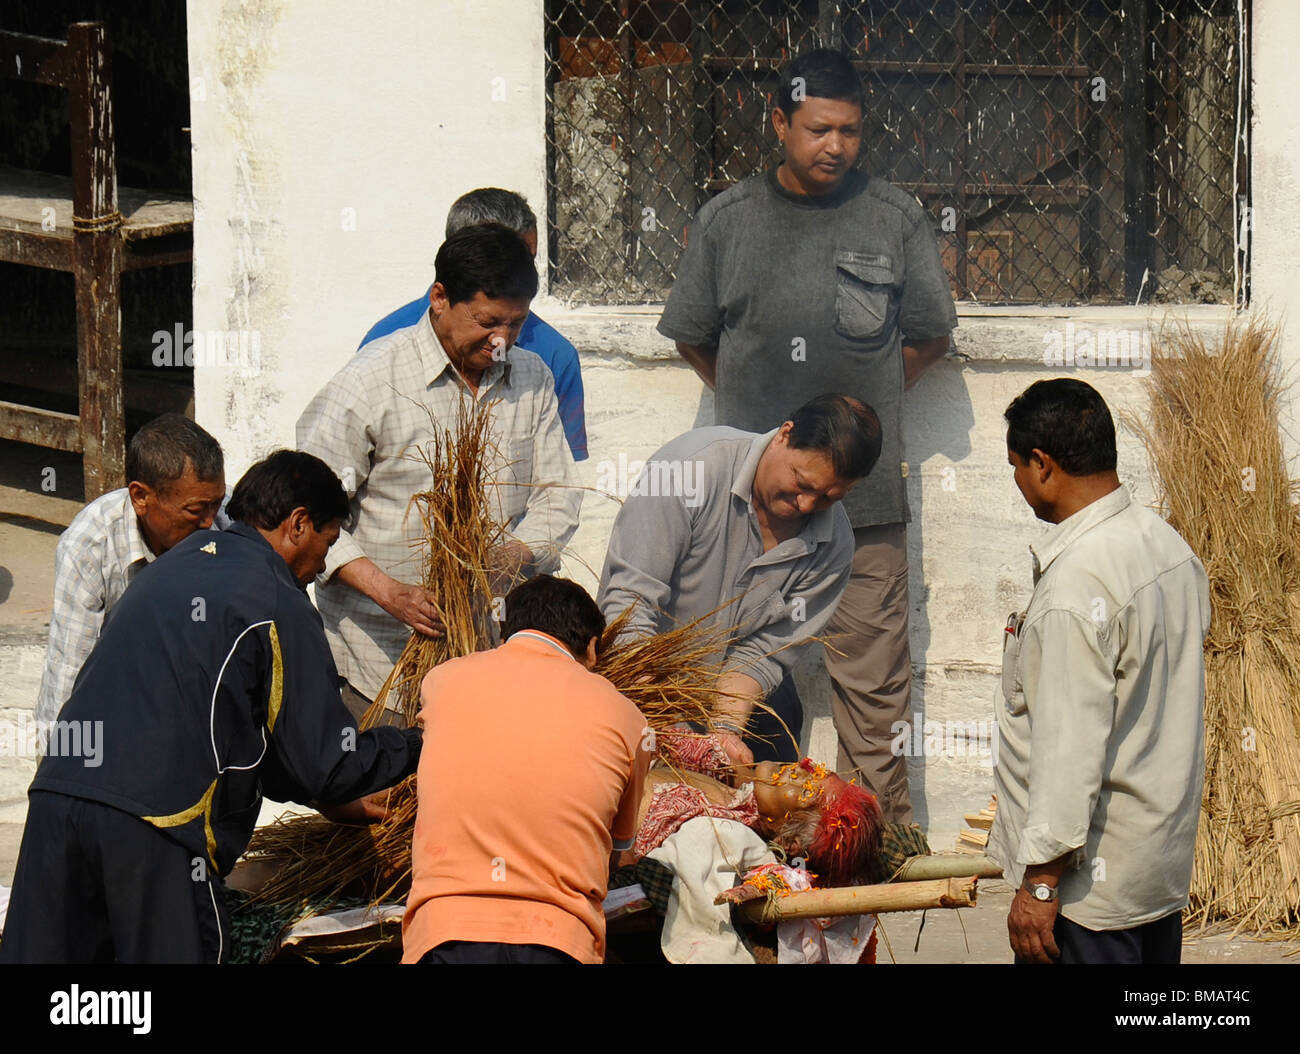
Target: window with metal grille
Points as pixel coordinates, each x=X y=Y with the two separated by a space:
x=1067 y=151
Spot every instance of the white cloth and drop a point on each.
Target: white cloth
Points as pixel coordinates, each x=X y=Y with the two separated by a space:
x=838 y=941
x=706 y=856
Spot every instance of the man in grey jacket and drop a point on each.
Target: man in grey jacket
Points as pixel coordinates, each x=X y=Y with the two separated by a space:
x=719 y=515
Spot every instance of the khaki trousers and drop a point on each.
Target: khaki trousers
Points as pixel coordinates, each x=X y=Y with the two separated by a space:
x=872 y=680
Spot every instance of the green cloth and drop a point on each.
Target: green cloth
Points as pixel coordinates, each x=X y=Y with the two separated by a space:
x=254 y=926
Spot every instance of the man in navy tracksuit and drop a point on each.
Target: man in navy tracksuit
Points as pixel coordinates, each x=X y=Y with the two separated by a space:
x=211 y=686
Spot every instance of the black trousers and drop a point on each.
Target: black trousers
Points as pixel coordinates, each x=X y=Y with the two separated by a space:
x=97 y=885
x=768 y=738
x=465 y=953
x=1153 y=943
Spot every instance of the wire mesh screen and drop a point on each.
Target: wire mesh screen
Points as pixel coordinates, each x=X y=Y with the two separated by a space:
x=1067 y=151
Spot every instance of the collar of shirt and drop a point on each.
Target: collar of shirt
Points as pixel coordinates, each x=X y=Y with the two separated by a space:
x=526 y=635
x=818 y=528
x=854 y=180
x=137 y=548
x=434 y=360
x=247 y=530
x=1060 y=537
x=743 y=485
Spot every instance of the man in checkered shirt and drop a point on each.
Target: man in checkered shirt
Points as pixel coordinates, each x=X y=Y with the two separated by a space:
x=381 y=406
x=177 y=484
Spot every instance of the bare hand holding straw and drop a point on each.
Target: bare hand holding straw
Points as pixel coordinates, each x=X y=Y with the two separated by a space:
x=413 y=605
x=511 y=563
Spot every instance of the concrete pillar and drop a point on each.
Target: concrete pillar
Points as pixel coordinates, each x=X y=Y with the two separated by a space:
x=327 y=150
x=1274 y=151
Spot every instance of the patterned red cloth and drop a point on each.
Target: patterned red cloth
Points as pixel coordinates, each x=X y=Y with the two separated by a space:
x=684 y=749
x=672 y=804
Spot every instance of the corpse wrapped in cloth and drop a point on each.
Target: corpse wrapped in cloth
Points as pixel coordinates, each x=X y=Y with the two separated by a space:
x=802 y=825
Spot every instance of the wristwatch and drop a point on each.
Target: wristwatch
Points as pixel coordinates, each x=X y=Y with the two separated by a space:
x=1039 y=891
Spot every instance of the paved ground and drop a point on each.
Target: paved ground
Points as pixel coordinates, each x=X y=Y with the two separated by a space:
x=979 y=935
x=40 y=492
x=30 y=522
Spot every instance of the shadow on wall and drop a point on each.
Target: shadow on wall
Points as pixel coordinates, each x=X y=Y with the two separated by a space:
x=704 y=413
x=938 y=422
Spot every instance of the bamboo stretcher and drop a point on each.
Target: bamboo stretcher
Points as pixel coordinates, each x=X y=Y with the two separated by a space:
x=924 y=883
x=862 y=900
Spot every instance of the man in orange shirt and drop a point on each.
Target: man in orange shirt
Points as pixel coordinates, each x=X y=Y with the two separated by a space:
x=530 y=777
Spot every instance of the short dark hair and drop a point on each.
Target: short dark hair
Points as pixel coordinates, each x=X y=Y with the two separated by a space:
x=555 y=606
x=1067 y=419
x=486 y=258
x=825 y=73
x=846 y=429
x=161 y=449
x=288 y=479
x=491 y=205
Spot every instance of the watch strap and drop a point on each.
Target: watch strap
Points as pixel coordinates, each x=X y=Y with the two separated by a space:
x=1032 y=889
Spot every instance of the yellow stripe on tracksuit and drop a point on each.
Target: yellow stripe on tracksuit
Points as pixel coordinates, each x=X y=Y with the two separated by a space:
x=277 y=682
x=203 y=807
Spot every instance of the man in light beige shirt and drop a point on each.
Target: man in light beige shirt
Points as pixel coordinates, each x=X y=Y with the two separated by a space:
x=368 y=420
x=1101 y=739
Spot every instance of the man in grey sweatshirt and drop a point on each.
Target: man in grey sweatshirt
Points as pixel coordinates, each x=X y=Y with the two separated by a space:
x=719 y=514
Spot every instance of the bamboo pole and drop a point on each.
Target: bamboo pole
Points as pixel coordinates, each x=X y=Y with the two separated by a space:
x=922 y=868
x=865 y=900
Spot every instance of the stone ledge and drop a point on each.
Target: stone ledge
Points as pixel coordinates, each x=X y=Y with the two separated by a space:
x=984 y=334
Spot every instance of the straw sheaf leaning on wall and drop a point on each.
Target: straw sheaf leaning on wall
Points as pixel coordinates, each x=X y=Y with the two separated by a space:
x=1214 y=442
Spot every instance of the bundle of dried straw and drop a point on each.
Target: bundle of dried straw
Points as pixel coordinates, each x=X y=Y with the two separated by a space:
x=1214 y=443
x=671 y=676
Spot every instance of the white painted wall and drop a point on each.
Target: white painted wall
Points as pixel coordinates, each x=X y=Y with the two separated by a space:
x=1275 y=180
x=968 y=545
x=309 y=108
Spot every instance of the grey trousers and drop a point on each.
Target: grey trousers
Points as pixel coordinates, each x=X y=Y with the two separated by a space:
x=872 y=679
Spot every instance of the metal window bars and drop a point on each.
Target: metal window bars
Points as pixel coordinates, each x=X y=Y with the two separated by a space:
x=1068 y=151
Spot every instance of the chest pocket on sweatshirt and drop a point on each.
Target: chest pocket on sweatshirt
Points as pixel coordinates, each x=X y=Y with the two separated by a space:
x=865 y=304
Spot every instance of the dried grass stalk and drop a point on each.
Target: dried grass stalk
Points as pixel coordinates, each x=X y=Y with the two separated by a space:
x=1213 y=438
x=458 y=535
x=671 y=676
x=319 y=859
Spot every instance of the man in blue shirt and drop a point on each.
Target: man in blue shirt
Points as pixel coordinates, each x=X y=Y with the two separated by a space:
x=493 y=205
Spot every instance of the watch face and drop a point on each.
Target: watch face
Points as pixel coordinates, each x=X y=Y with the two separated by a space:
x=1042 y=893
